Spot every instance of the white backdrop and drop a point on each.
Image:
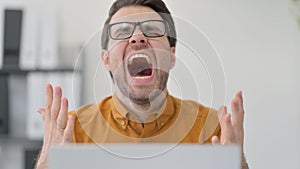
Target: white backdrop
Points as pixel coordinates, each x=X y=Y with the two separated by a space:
x=258 y=42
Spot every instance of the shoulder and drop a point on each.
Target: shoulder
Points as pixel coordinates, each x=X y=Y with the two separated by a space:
x=89 y=112
x=90 y=109
x=88 y=118
x=189 y=105
x=206 y=122
x=85 y=109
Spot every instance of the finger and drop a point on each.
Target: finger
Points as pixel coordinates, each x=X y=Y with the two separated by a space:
x=49 y=99
x=68 y=134
x=221 y=113
x=42 y=111
x=227 y=132
x=62 y=116
x=238 y=119
x=56 y=103
x=241 y=100
x=236 y=114
x=237 y=110
x=215 y=140
x=221 y=116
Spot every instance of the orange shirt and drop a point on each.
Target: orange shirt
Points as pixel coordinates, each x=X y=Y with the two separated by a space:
x=177 y=121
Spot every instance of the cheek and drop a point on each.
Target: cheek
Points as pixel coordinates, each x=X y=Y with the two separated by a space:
x=116 y=63
x=163 y=54
x=116 y=54
x=160 y=43
x=113 y=44
x=164 y=61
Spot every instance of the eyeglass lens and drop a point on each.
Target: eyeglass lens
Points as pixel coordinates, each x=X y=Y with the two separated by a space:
x=124 y=30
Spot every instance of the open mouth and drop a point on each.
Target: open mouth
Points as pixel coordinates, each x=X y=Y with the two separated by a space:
x=140 y=66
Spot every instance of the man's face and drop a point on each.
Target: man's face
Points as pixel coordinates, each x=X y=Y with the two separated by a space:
x=140 y=65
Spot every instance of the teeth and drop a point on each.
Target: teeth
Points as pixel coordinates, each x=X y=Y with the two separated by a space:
x=139 y=56
x=141 y=77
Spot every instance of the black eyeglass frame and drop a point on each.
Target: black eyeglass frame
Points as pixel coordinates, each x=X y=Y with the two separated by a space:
x=139 y=24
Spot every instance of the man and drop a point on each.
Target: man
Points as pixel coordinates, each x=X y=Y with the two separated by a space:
x=138 y=43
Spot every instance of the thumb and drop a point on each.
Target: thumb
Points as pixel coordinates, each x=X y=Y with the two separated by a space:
x=68 y=133
x=42 y=111
x=215 y=140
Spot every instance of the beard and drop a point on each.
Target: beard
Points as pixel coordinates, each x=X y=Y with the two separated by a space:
x=143 y=94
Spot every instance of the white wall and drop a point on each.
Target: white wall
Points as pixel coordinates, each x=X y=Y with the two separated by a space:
x=258 y=43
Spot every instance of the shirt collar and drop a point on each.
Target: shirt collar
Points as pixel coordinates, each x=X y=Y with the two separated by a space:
x=162 y=115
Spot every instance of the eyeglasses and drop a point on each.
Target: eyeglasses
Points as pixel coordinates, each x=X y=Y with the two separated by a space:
x=149 y=28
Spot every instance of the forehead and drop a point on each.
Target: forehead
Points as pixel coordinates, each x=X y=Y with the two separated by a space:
x=135 y=14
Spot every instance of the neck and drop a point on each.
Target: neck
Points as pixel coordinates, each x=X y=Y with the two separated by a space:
x=142 y=110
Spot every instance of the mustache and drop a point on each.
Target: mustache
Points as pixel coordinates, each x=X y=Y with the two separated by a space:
x=137 y=48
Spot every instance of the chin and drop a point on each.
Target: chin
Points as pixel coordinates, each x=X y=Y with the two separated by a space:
x=140 y=93
x=144 y=94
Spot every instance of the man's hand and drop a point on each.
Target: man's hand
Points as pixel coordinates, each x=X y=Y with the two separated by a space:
x=58 y=127
x=232 y=126
x=232 y=129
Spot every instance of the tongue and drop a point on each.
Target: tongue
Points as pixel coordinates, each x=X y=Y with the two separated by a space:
x=145 y=72
x=140 y=67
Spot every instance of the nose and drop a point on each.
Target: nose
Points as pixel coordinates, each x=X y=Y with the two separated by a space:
x=138 y=37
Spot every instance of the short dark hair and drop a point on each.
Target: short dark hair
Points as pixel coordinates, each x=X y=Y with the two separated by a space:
x=157 y=5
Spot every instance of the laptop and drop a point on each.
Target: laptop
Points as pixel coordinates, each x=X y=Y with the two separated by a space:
x=144 y=156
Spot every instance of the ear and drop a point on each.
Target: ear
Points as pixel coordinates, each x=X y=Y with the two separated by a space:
x=105 y=59
x=173 y=58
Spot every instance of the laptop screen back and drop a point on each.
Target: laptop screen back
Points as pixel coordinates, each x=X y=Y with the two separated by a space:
x=144 y=156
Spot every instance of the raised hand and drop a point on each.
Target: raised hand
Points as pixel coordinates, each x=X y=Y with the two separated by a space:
x=232 y=126
x=58 y=126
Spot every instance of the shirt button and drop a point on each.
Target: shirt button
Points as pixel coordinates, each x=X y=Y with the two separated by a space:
x=122 y=122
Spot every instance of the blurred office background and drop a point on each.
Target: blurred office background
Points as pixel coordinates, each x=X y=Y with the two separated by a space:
x=258 y=46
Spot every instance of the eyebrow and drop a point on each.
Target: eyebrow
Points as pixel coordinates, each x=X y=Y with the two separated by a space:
x=136 y=21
